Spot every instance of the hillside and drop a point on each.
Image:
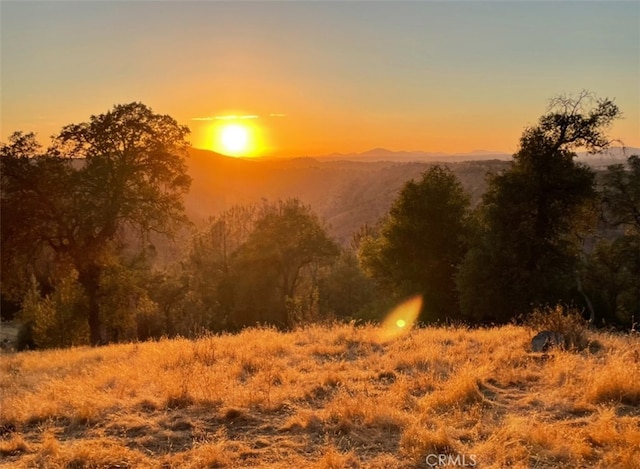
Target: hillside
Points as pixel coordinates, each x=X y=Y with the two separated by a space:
x=346 y=194
x=326 y=397
x=346 y=190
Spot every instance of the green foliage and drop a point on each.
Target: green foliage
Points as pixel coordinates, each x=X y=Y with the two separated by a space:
x=535 y=215
x=286 y=247
x=612 y=270
x=303 y=308
x=56 y=320
x=612 y=278
x=345 y=291
x=421 y=243
x=121 y=171
x=252 y=264
x=34 y=195
x=128 y=311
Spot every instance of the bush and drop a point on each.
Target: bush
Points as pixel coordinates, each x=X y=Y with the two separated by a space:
x=567 y=321
x=55 y=320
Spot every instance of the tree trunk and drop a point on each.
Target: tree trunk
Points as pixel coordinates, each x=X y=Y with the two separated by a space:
x=89 y=279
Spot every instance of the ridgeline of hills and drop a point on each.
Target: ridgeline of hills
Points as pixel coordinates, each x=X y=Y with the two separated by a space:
x=346 y=190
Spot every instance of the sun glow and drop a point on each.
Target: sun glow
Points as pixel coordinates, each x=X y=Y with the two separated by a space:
x=237 y=138
x=234 y=138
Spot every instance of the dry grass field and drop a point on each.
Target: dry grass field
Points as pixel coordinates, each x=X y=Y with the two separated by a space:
x=326 y=397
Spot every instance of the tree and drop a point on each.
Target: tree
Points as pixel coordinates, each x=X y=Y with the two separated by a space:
x=621 y=194
x=612 y=270
x=269 y=269
x=612 y=279
x=422 y=241
x=531 y=215
x=122 y=170
x=253 y=263
x=57 y=319
x=33 y=194
x=207 y=282
x=345 y=291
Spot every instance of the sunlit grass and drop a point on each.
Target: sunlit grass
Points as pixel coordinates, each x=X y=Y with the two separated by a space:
x=340 y=396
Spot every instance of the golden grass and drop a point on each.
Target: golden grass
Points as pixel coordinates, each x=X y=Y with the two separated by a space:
x=325 y=397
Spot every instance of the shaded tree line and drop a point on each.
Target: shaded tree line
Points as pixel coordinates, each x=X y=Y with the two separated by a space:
x=546 y=231
x=81 y=220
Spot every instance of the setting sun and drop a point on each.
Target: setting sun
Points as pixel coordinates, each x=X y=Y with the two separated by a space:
x=234 y=138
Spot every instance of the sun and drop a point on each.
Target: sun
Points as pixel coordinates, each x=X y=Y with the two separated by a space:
x=235 y=139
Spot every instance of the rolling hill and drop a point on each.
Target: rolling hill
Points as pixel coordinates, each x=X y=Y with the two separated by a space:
x=345 y=193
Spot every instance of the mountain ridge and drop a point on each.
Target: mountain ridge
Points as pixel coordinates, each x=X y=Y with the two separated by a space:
x=345 y=192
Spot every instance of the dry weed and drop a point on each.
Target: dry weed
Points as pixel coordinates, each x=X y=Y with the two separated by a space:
x=324 y=397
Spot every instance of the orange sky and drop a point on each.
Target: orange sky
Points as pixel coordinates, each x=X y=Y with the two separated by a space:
x=322 y=77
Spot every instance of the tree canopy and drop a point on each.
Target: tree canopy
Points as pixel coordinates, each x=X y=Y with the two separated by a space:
x=422 y=241
x=121 y=170
x=533 y=214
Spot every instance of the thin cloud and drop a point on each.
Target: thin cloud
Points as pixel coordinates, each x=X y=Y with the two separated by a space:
x=231 y=117
x=250 y=116
x=236 y=117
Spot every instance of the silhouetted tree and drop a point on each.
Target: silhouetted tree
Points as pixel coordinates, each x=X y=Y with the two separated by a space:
x=422 y=241
x=271 y=266
x=122 y=170
x=612 y=280
x=252 y=264
x=612 y=270
x=621 y=194
x=528 y=252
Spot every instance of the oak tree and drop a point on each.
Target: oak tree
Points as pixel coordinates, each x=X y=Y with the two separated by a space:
x=529 y=251
x=121 y=171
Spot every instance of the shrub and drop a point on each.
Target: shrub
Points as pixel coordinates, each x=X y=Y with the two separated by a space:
x=567 y=321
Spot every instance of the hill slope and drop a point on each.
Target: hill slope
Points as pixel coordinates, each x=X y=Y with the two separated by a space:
x=347 y=191
x=324 y=397
x=346 y=194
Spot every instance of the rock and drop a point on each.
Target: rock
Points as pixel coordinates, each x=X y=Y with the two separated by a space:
x=546 y=339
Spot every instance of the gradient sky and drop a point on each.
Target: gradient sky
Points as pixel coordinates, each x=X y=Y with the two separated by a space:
x=340 y=76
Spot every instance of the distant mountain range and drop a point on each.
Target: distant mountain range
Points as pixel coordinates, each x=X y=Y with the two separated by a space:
x=611 y=156
x=346 y=190
x=345 y=193
x=382 y=154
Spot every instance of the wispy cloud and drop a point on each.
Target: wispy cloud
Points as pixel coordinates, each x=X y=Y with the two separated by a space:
x=231 y=117
x=250 y=116
x=277 y=115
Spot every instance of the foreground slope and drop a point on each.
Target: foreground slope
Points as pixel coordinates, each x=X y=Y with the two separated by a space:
x=324 y=397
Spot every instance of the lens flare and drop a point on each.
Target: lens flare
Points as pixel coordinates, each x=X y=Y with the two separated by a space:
x=401 y=319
